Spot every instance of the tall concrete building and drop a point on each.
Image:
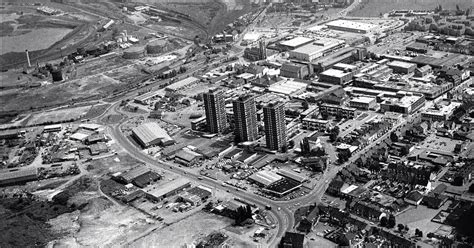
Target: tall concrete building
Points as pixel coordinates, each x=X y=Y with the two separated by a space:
x=214 y=104
x=245 y=115
x=275 y=126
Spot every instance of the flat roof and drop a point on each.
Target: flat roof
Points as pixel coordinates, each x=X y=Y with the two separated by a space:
x=318 y=46
x=442 y=110
x=292 y=175
x=401 y=64
x=351 y=25
x=287 y=87
x=363 y=99
x=17 y=173
x=297 y=41
x=334 y=73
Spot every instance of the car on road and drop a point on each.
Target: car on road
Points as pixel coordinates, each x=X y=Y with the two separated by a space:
x=199 y=178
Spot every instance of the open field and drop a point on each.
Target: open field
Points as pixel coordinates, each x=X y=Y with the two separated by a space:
x=90 y=88
x=373 y=8
x=56 y=116
x=185 y=231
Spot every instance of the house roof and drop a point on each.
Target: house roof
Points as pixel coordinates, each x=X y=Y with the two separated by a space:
x=414 y=196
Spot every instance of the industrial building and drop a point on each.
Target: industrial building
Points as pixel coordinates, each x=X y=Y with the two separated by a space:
x=52 y=128
x=214 y=104
x=288 y=87
x=17 y=176
x=406 y=104
x=169 y=189
x=295 y=70
x=295 y=43
x=181 y=84
x=275 y=126
x=351 y=26
x=335 y=76
x=344 y=55
x=363 y=102
x=265 y=178
x=151 y=134
x=245 y=118
x=402 y=67
x=316 y=49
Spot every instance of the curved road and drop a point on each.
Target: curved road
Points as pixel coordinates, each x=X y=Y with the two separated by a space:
x=279 y=211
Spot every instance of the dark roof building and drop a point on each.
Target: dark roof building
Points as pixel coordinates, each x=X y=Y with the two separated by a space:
x=292 y=240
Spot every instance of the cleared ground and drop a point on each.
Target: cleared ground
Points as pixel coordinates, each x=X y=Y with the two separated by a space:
x=58 y=115
x=373 y=8
x=185 y=231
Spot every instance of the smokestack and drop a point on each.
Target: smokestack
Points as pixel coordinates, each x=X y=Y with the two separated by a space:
x=28 y=58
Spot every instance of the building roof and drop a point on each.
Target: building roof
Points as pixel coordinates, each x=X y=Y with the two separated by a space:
x=134 y=173
x=363 y=99
x=90 y=126
x=292 y=67
x=79 y=136
x=287 y=87
x=351 y=25
x=401 y=64
x=334 y=73
x=182 y=83
x=265 y=177
x=295 y=42
x=168 y=187
x=318 y=46
x=291 y=175
x=11 y=174
x=414 y=196
x=187 y=155
x=150 y=132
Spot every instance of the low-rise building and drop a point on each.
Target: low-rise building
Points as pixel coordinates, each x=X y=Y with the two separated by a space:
x=362 y=102
x=402 y=67
x=338 y=111
x=440 y=112
x=407 y=104
x=17 y=176
x=336 y=76
x=295 y=70
x=315 y=124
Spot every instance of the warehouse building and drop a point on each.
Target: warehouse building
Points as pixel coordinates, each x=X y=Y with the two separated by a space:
x=18 y=176
x=402 y=67
x=363 y=102
x=288 y=87
x=182 y=84
x=151 y=134
x=265 y=178
x=166 y=190
x=335 y=76
x=295 y=43
x=316 y=49
x=351 y=26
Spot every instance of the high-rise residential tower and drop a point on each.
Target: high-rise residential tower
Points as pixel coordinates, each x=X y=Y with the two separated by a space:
x=214 y=104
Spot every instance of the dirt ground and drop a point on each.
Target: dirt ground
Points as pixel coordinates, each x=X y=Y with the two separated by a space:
x=186 y=231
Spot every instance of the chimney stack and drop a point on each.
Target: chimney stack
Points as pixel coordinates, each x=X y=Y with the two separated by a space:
x=28 y=58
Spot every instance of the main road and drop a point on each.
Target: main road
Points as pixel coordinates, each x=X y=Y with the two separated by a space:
x=282 y=214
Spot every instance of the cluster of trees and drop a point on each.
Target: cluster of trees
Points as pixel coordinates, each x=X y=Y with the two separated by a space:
x=343 y=156
x=242 y=214
x=388 y=222
x=333 y=133
x=402 y=228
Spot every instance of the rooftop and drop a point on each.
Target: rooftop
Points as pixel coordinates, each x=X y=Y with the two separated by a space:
x=161 y=190
x=151 y=131
x=295 y=42
x=287 y=87
x=265 y=177
x=334 y=73
x=352 y=25
x=401 y=64
x=363 y=99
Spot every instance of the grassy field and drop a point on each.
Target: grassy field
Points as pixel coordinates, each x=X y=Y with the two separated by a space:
x=373 y=8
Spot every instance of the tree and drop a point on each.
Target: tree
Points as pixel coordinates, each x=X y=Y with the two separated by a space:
x=291 y=143
x=343 y=156
x=400 y=227
x=458 y=181
x=305 y=105
x=430 y=235
x=391 y=221
x=471 y=188
x=383 y=221
x=393 y=137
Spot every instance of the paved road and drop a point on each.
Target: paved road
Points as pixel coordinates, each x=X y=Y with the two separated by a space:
x=284 y=216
